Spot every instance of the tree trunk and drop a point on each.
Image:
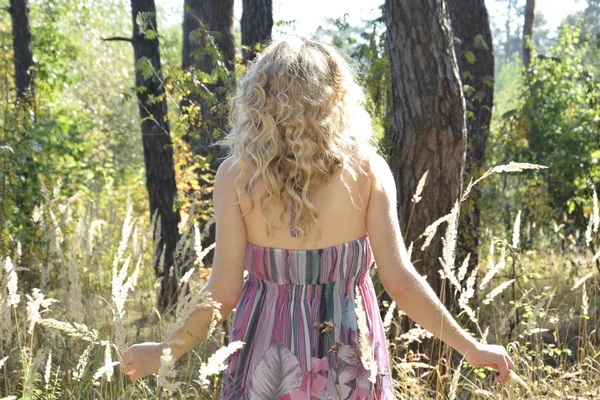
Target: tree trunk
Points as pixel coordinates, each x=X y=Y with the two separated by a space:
x=527 y=32
x=428 y=131
x=257 y=23
x=475 y=56
x=204 y=21
x=24 y=79
x=192 y=20
x=158 y=150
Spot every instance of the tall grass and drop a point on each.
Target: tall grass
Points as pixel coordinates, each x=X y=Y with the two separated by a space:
x=87 y=291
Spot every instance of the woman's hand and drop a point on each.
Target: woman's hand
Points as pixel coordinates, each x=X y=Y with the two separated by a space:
x=493 y=356
x=141 y=360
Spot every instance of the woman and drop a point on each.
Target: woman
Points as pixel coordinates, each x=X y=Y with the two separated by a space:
x=304 y=204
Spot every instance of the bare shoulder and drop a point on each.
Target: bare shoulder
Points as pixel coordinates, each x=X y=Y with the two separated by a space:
x=227 y=173
x=225 y=180
x=379 y=171
x=229 y=169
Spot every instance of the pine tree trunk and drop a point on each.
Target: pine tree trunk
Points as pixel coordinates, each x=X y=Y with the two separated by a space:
x=158 y=152
x=429 y=132
x=257 y=24
x=192 y=20
x=470 y=25
x=205 y=20
x=24 y=79
x=428 y=128
x=527 y=32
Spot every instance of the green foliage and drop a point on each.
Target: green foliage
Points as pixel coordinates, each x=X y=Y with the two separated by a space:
x=470 y=57
x=554 y=123
x=84 y=129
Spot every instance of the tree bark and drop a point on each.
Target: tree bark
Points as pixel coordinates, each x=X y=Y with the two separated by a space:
x=192 y=20
x=470 y=24
x=158 y=151
x=24 y=77
x=429 y=131
x=257 y=24
x=204 y=21
x=428 y=128
x=527 y=32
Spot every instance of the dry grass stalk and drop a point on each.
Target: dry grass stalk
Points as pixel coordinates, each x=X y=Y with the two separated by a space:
x=448 y=252
x=31 y=371
x=516 y=231
x=167 y=374
x=36 y=301
x=48 y=370
x=494 y=268
x=366 y=347
x=467 y=293
x=216 y=362
x=389 y=315
x=108 y=368
x=490 y=296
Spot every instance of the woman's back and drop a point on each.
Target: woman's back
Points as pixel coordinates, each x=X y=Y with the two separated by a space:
x=301 y=307
x=342 y=214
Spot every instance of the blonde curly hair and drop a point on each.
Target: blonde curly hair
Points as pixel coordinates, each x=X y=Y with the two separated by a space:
x=296 y=119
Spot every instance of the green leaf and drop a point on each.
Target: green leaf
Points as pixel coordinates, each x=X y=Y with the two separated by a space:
x=150 y=34
x=480 y=95
x=470 y=57
x=145 y=67
x=468 y=90
x=488 y=81
x=480 y=43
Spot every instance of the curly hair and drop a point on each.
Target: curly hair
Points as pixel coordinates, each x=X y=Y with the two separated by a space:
x=297 y=118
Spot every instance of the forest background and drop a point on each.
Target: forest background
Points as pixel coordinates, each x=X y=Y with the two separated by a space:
x=107 y=110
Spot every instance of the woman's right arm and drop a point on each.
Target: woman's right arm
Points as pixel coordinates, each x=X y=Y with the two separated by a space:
x=224 y=285
x=407 y=287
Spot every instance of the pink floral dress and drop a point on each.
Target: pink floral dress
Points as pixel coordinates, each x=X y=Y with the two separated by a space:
x=297 y=317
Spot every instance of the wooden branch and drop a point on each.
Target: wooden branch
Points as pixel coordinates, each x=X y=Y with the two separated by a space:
x=7 y=9
x=118 y=38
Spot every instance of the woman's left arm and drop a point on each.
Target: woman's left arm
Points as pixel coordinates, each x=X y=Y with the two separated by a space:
x=224 y=285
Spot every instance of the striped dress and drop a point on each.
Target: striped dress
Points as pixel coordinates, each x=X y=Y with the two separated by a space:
x=297 y=317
